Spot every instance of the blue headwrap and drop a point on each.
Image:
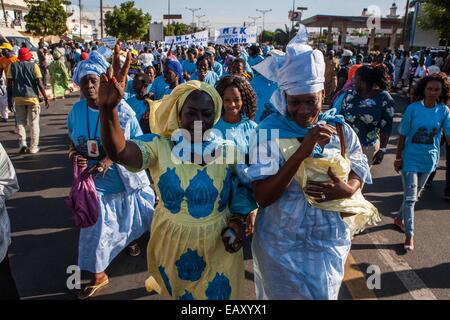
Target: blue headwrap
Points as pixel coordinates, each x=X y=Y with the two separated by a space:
x=174 y=65
x=95 y=64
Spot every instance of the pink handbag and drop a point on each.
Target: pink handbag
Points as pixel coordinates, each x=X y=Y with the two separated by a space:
x=83 y=198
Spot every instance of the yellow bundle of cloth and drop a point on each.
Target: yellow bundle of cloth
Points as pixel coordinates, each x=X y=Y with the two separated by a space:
x=357 y=210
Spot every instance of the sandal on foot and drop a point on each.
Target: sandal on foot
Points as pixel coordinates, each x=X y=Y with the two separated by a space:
x=90 y=290
x=134 y=250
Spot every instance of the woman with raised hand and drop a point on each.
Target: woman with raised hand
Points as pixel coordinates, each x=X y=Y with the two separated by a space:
x=125 y=199
x=194 y=245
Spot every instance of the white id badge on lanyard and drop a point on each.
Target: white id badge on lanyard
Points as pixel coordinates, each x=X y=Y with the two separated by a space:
x=92 y=146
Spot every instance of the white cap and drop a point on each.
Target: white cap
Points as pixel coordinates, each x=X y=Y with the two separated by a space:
x=347 y=53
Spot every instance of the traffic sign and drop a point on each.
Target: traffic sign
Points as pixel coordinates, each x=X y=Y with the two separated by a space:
x=296 y=16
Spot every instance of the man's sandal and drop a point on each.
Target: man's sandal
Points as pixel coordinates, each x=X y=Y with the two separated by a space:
x=90 y=290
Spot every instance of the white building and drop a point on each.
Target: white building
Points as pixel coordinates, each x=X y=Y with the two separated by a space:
x=90 y=22
x=15 y=10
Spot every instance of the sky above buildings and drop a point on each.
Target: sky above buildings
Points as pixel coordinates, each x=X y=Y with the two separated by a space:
x=222 y=13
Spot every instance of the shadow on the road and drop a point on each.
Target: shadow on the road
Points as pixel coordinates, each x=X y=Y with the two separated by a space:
x=397 y=248
x=435 y=277
x=131 y=294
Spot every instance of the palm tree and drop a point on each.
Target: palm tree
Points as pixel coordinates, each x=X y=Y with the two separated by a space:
x=282 y=37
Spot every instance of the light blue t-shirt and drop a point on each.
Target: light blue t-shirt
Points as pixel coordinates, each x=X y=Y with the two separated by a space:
x=422 y=128
x=77 y=123
x=138 y=106
x=210 y=78
x=264 y=89
x=252 y=61
x=189 y=67
x=218 y=68
x=239 y=133
x=160 y=88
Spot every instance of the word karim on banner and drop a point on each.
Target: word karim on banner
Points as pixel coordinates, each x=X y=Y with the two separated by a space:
x=229 y=310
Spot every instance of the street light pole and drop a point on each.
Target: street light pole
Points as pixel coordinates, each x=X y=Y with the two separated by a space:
x=198 y=19
x=79 y=4
x=101 y=19
x=193 y=10
x=264 y=16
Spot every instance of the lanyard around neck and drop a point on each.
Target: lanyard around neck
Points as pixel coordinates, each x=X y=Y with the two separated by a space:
x=96 y=126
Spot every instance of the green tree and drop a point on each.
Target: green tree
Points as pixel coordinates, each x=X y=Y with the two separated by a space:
x=436 y=16
x=178 y=29
x=47 y=17
x=267 y=36
x=127 y=22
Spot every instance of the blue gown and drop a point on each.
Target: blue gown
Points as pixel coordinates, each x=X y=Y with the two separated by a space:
x=160 y=88
x=125 y=199
x=264 y=89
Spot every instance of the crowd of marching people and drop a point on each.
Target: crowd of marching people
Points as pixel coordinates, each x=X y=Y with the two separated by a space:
x=203 y=146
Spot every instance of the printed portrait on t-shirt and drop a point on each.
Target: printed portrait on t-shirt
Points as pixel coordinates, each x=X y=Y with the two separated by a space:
x=423 y=136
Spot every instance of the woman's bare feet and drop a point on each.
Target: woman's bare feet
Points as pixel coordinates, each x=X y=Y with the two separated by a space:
x=409 y=244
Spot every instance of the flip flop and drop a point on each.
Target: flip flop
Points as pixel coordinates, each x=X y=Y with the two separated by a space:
x=90 y=290
x=134 y=250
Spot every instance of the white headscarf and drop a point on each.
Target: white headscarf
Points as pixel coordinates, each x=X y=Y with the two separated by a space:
x=301 y=70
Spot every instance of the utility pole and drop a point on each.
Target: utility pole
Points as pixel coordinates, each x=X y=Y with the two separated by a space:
x=405 y=26
x=79 y=4
x=168 y=12
x=264 y=16
x=101 y=19
x=4 y=13
x=193 y=10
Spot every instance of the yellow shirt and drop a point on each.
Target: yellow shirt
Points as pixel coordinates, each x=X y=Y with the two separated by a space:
x=26 y=101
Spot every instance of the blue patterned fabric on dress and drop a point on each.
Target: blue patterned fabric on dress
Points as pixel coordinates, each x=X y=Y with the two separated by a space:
x=171 y=192
x=225 y=193
x=165 y=278
x=201 y=195
x=190 y=266
x=186 y=296
x=219 y=288
x=369 y=117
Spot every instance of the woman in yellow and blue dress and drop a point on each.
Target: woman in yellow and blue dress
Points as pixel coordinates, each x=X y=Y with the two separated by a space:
x=187 y=258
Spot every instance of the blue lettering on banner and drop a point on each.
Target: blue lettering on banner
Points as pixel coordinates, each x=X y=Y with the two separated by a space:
x=235 y=31
x=243 y=30
x=226 y=31
x=178 y=39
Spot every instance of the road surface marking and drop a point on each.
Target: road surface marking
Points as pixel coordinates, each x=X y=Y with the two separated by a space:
x=412 y=282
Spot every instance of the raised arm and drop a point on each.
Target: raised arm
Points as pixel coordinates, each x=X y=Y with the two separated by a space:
x=111 y=91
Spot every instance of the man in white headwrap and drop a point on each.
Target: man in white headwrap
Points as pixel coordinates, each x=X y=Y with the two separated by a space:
x=301 y=241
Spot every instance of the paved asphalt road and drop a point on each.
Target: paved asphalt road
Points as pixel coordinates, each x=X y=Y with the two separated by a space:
x=44 y=242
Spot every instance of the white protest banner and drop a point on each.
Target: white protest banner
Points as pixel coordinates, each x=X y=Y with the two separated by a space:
x=237 y=35
x=199 y=38
x=110 y=42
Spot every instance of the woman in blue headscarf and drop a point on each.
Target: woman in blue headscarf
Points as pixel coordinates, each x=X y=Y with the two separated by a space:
x=172 y=76
x=125 y=199
x=302 y=180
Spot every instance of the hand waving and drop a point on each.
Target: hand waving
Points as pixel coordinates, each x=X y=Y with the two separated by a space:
x=113 y=83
